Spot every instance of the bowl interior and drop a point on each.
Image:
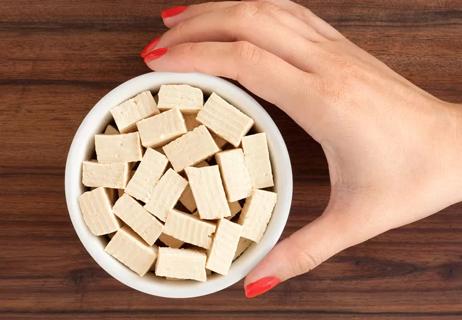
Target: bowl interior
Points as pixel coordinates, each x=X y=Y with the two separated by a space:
x=82 y=148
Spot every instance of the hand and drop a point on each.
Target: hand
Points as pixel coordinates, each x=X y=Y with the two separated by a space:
x=393 y=150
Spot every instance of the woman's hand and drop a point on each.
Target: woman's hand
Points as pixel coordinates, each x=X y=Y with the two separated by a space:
x=393 y=149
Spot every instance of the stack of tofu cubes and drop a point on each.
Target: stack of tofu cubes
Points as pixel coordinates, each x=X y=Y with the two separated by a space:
x=179 y=187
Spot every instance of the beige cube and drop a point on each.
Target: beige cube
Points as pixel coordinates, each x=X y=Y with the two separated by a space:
x=181 y=264
x=224 y=246
x=170 y=241
x=235 y=175
x=208 y=192
x=161 y=128
x=224 y=119
x=112 y=192
x=136 y=217
x=257 y=160
x=166 y=193
x=187 y=198
x=193 y=147
x=182 y=96
x=128 y=113
x=185 y=227
x=109 y=175
x=97 y=213
x=118 y=147
x=256 y=214
x=131 y=251
x=152 y=166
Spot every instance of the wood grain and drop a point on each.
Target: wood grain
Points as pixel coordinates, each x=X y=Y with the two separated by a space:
x=59 y=57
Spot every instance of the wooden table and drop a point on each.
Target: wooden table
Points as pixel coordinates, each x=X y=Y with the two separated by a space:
x=59 y=57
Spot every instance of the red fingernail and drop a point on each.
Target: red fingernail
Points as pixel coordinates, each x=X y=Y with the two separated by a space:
x=149 y=47
x=155 y=54
x=261 y=286
x=170 y=12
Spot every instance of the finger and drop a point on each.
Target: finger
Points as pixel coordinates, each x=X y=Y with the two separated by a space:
x=282 y=84
x=299 y=253
x=248 y=23
x=248 y=8
x=172 y=16
x=306 y=15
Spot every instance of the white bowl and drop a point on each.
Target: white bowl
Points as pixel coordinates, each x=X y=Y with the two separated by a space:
x=83 y=145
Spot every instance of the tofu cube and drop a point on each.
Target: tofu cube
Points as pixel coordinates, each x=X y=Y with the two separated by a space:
x=108 y=175
x=136 y=217
x=208 y=192
x=186 y=98
x=185 y=227
x=257 y=160
x=191 y=148
x=235 y=175
x=128 y=113
x=224 y=246
x=118 y=147
x=162 y=128
x=243 y=245
x=181 y=264
x=187 y=199
x=131 y=251
x=95 y=206
x=224 y=119
x=170 y=241
x=152 y=166
x=165 y=194
x=191 y=123
x=256 y=214
x=111 y=130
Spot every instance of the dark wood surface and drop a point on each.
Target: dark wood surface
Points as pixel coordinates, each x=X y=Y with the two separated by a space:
x=57 y=58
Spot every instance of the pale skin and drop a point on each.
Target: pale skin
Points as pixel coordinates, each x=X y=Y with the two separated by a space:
x=393 y=150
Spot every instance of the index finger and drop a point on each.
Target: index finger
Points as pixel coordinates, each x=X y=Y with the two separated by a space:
x=261 y=72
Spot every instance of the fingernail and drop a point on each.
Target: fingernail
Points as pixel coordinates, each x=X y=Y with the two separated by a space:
x=155 y=54
x=149 y=47
x=170 y=12
x=261 y=286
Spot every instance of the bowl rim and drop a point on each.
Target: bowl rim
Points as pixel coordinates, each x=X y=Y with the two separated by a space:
x=99 y=116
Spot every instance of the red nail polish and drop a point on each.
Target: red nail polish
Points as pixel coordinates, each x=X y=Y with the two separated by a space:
x=170 y=12
x=261 y=286
x=149 y=47
x=155 y=54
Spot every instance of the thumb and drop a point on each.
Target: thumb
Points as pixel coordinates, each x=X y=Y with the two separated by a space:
x=299 y=253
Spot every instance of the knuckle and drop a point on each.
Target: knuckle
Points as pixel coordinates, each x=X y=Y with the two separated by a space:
x=304 y=261
x=267 y=7
x=243 y=11
x=248 y=52
x=248 y=11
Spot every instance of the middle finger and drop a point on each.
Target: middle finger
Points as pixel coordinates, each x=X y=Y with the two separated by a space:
x=250 y=23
